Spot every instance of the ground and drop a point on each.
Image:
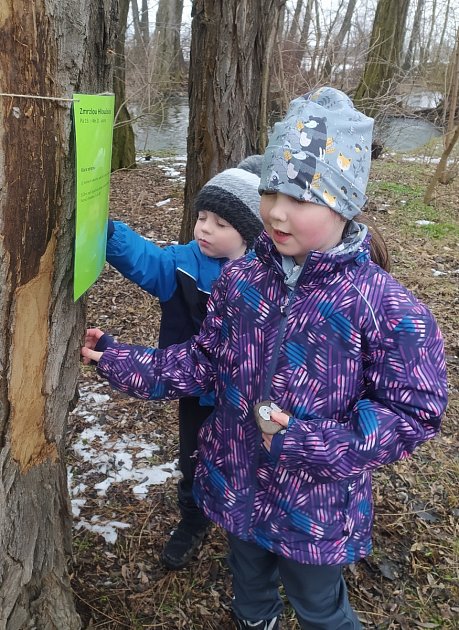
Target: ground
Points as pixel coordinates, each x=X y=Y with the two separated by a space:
x=122 y=452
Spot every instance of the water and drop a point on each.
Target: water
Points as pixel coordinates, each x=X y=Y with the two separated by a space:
x=166 y=130
x=405 y=134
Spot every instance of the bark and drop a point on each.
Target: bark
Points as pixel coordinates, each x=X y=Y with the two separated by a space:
x=425 y=49
x=326 y=48
x=294 y=26
x=318 y=35
x=123 y=155
x=453 y=90
x=383 y=62
x=232 y=47
x=452 y=108
x=144 y=23
x=53 y=50
x=167 y=56
x=415 y=36
x=443 y=33
x=441 y=167
x=136 y=22
x=339 y=39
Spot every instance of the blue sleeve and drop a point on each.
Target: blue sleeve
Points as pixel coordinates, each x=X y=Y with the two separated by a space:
x=143 y=262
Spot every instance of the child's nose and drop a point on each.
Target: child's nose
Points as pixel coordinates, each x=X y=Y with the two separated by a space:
x=276 y=211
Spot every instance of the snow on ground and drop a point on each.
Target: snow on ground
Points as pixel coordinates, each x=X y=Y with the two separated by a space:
x=116 y=458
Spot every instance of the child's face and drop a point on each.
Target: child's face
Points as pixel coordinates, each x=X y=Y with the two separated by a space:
x=299 y=227
x=217 y=238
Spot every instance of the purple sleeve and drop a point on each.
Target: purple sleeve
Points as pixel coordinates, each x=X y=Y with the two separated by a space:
x=405 y=397
x=186 y=369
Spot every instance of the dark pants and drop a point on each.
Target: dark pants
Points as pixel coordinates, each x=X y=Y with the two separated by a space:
x=191 y=417
x=318 y=594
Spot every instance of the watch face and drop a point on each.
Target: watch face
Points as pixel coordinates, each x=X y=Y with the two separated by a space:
x=262 y=412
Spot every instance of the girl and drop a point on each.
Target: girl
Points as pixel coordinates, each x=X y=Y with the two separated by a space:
x=350 y=363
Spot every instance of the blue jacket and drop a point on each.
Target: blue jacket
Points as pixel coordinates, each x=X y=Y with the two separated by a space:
x=181 y=276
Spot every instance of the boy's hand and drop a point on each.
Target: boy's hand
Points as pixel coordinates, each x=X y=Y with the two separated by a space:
x=88 y=353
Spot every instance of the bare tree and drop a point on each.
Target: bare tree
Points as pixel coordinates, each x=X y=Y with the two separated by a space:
x=338 y=41
x=425 y=48
x=414 y=42
x=232 y=47
x=453 y=90
x=123 y=155
x=441 y=166
x=383 y=61
x=138 y=29
x=318 y=34
x=57 y=48
x=144 y=23
x=167 y=55
x=295 y=23
x=443 y=32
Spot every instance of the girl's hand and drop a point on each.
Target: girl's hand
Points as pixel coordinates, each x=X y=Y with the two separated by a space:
x=88 y=353
x=281 y=418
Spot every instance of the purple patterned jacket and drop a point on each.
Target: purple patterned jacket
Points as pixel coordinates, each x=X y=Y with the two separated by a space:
x=356 y=359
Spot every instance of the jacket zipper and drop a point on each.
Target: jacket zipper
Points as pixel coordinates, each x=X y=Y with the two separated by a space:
x=285 y=310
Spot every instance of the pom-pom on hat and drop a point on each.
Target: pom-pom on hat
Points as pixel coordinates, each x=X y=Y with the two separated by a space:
x=233 y=195
x=320 y=152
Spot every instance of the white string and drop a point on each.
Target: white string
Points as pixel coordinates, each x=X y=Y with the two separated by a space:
x=44 y=98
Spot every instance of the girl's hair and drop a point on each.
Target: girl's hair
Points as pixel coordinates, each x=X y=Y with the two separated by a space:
x=378 y=249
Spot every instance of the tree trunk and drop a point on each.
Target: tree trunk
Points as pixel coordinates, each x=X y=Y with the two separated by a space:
x=339 y=39
x=443 y=32
x=383 y=61
x=451 y=108
x=57 y=47
x=425 y=49
x=144 y=23
x=441 y=167
x=294 y=26
x=318 y=35
x=136 y=22
x=123 y=155
x=232 y=45
x=167 y=57
x=414 y=37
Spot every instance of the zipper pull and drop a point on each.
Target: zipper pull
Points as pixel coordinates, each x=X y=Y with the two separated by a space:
x=283 y=307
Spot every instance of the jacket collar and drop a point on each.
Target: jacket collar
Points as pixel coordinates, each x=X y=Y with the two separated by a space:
x=318 y=265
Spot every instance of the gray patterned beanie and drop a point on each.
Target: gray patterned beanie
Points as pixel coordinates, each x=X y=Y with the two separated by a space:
x=320 y=152
x=233 y=195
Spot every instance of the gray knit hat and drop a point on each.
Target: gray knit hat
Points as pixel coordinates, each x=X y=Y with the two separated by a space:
x=320 y=152
x=233 y=195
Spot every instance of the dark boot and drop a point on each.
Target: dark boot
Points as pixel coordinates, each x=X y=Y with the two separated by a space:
x=184 y=542
x=263 y=624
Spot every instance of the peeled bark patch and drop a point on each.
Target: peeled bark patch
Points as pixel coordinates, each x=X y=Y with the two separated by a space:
x=29 y=347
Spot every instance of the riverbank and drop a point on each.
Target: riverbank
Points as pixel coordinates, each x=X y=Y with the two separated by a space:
x=122 y=453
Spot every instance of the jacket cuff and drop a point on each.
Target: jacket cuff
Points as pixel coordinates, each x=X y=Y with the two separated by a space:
x=277 y=444
x=104 y=342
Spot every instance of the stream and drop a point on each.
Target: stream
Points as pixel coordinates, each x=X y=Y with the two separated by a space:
x=166 y=130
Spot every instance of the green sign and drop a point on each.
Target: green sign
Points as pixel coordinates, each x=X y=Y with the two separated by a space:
x=93 y=116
